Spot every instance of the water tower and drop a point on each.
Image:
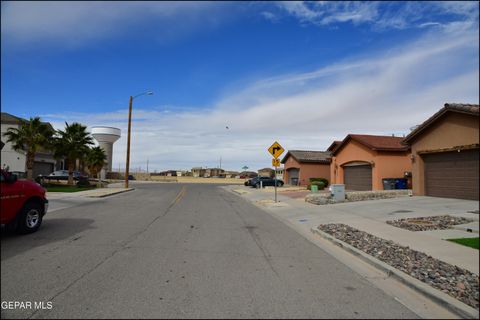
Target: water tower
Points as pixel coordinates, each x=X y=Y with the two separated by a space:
x=106 y=136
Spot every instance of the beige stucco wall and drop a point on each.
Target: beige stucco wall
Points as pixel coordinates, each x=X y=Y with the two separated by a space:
x=384 y=164
x=15 y=160
x=307 y=171
x=392 y=165
x=450 y=131
x=313 y=170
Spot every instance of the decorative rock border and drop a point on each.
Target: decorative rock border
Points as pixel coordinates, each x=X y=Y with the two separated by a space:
x=459 y=283
x=428 y=223
x=351 y=196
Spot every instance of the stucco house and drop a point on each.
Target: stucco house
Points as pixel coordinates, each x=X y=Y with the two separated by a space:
x=230 y=174
x=247 y=174
x=361 y=162
x=169 y=173
x=213 y=172
x=266 y=172
x=44 y=162
x=301 y=165
x=445 y=153
x=198 y=172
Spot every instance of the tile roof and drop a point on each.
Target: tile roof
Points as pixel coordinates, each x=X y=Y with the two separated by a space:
x=308 y=156
x=471 y=109
x=334 y=145
x=463 y=107
x=8 y=118
x=377 y=143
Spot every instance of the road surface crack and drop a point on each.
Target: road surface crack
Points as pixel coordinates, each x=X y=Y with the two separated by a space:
x=253 y=235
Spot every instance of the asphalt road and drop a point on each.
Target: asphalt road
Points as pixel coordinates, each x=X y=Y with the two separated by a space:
x=179 y=251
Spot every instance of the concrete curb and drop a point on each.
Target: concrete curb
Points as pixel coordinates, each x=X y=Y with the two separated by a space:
x=466 y=229
x=110 y=194
x=240 y=191
x=442 y=298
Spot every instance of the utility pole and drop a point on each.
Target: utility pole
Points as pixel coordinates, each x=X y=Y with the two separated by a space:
x=147 y=165
x=128 y=141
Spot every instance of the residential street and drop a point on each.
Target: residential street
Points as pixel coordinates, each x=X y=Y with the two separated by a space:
x=180 y=251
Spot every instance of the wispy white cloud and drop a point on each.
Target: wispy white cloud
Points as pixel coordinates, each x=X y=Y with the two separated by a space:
x=380 y=15
x=270 y=16
x=77 y=23
x=385 y=93
x=328 y=12
x=74 y=24
x=429 y=24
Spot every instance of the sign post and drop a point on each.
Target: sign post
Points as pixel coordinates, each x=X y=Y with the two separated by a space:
x=275 y=164
x=276 y=150
x=245 y=169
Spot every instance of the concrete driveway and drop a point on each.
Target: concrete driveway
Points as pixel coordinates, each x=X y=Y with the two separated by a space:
x=370 y=216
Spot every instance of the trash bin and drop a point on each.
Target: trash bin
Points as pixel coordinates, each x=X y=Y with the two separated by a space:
x=401 y=183
x=388 y=184
x=314 y=188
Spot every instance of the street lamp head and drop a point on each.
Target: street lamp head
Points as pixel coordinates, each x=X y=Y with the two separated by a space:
x=146 y=93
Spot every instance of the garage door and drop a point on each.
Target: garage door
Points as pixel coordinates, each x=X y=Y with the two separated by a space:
x=452 y=174
x=358 y=177
x=42 y=168
x=293 y=174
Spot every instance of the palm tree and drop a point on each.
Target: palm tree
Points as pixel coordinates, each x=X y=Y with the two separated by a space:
x=72 y=143
x=96 y=159
x=30 y=137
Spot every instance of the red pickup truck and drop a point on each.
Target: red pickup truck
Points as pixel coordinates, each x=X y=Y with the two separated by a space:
x=23 y=203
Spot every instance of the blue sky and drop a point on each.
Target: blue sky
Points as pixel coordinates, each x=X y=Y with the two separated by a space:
x=302 y=73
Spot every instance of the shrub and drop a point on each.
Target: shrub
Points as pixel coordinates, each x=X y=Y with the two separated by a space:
x=325 y=181
x=320 y=185
x=83 y=183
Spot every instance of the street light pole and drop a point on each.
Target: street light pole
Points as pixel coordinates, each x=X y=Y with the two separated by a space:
x=128 y=141
x=129 y=130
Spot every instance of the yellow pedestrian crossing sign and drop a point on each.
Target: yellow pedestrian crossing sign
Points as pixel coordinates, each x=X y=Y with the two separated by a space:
x=276 y=150
x=276 y=162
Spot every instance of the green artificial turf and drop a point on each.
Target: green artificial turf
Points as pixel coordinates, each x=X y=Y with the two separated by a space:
x=469 y=242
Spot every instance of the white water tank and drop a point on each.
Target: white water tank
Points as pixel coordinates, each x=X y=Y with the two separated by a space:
x=105 y=137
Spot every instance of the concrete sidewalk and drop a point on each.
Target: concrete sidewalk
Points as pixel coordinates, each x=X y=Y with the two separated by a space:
x=94 y=193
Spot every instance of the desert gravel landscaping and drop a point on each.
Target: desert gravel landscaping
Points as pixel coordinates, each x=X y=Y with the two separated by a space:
x=352 y=196
x=429 y=223
x=457 y=282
